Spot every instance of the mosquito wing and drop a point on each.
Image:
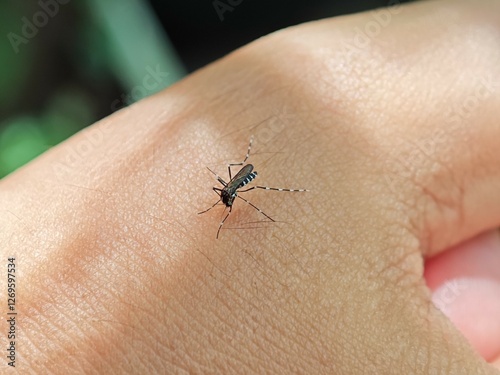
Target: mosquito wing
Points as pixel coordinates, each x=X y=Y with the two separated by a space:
x=240 y=176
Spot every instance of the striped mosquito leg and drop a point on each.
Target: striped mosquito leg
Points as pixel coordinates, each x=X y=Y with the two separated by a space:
x=272 y=188
x=208 y=209
x=244 y=160
x=224 y=183
x=257 y=208
x=222 y=223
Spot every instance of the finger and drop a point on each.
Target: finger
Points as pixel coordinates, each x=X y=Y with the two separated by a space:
x=465 y=282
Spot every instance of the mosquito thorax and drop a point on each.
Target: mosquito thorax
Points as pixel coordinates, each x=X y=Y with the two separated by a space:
x=227 y=198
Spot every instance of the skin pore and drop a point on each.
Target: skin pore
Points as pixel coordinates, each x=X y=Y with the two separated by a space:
x=396 y=135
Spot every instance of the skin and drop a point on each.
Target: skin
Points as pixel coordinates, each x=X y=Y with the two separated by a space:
x=397 y=139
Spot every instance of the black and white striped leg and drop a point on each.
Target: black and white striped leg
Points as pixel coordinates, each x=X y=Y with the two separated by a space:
x=271 y=188
x=217 y=191
x=223 y=183
x=257 y=208
x=222 y=222
x=241 y=163
x=208 y=209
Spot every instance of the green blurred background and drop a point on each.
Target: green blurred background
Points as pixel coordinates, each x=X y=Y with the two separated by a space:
x=66 y=64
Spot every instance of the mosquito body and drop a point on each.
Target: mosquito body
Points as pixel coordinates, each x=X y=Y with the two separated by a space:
x=230 y=190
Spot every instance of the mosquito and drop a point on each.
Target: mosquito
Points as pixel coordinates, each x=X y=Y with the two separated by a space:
x=230 y=189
